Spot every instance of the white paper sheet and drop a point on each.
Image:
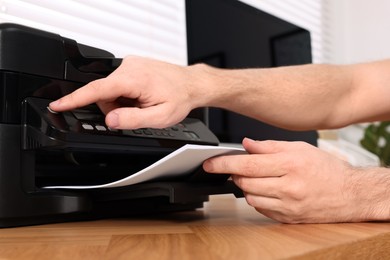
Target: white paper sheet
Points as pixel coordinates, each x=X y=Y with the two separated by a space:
x=180 y=162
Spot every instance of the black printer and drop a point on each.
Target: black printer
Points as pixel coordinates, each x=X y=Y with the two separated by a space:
x=40 y=148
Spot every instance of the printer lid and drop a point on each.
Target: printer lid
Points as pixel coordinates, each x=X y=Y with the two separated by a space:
x=31 y=51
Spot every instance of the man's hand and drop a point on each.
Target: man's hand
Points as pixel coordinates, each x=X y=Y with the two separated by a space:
x=140 y=93
x=294 y=182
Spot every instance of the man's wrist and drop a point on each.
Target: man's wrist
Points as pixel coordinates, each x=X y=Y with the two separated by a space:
x=370 y=189
x=202 y=85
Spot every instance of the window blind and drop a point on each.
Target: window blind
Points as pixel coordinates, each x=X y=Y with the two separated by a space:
x=152 y=28
x=312 y=15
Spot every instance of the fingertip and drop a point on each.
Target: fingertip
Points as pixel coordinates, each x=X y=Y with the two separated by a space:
x=53 y=105
x=208 y=166
x=112 y=119
x=56 y=105
x=248 y=141
x=253 y=146
x=264 y=146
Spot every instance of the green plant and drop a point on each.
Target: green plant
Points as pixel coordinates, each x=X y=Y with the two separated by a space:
x=376 y=139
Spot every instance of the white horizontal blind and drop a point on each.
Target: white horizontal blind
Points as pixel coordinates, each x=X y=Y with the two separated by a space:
x=152 y=28
x=309 y=14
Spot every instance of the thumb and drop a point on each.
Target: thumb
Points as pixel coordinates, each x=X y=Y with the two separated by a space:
x=263 y=147
x=135 y=117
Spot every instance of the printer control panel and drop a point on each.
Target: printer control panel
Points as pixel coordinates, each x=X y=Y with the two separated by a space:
x=87 y=126
x=93 y=123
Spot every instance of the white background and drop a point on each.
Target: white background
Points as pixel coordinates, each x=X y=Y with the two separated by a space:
x=360 y=30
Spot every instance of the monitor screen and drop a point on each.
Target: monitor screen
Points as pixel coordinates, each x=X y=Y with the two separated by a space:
x=232 y=34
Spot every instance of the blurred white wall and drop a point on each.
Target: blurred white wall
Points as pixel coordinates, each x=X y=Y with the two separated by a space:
x=359 y=30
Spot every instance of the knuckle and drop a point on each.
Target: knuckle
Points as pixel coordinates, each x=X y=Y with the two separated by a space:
x=224 y=165
x=294 y=191
x=250 y=167
x=96 y=86
x=289 y=164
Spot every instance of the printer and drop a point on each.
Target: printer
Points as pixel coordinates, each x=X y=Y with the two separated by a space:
x=39 y=148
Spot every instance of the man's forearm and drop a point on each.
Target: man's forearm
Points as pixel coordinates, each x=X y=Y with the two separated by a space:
x=295 y=97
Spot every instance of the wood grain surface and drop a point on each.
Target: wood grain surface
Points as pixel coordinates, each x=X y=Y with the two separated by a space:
x=226 y=228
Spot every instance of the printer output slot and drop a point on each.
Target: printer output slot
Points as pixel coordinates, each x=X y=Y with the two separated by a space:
x=88 y=168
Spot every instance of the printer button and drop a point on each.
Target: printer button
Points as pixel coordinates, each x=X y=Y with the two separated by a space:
x=147 y=132
x=87 y=126
x=158 y=132
x=191 y=135
x=100 y=128
x=51 y=111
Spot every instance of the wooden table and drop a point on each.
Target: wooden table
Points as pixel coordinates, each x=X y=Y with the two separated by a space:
x=226 y=228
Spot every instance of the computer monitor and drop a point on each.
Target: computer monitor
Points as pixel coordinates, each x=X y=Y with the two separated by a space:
x=232 y=34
